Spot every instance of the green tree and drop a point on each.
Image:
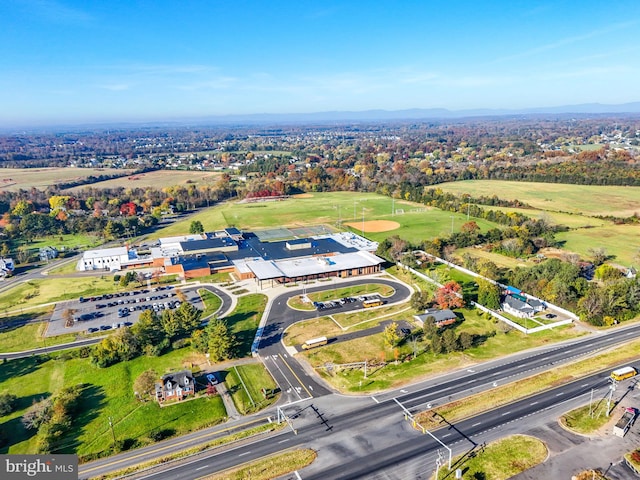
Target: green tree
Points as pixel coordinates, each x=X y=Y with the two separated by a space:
x=200 y=341
x=450 y=341
x=196 y=227
x=221 y=342
x=488 y=294
x=171 y=323
x=148 y=329
x=420 y=300
x=188 y=317
x=7 y=403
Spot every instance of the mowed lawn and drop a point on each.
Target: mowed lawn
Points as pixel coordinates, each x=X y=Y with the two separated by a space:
x=107 y=395
x=593 y=200
x=416 y=224
x=13 y=179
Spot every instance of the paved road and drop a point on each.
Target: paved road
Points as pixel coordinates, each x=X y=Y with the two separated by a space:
x=374 y=441
x=294 y=380
x=366 y=413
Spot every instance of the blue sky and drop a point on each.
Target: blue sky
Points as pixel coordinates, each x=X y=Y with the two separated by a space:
x=71 y=61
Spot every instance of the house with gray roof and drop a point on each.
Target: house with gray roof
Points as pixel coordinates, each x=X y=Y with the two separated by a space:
x=175 y=386
x=521 y=306
x=439 y=317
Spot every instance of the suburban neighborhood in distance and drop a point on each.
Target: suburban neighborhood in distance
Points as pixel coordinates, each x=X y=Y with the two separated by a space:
x=303 y=241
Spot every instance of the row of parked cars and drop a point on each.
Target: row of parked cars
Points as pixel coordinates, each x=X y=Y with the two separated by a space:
x=131 y=293
x=333 y=303
x=125 y=311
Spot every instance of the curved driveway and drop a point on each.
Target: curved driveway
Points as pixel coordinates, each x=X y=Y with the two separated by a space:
x=294 y=380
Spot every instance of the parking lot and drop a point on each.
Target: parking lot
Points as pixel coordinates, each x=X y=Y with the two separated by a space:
x=115 y=310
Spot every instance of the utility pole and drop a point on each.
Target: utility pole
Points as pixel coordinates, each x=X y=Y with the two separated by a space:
x=612 y=388
x=112 y=432
x=363 y=221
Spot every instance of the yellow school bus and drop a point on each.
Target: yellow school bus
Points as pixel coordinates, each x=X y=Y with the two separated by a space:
x=623 y=373
x=314 y=342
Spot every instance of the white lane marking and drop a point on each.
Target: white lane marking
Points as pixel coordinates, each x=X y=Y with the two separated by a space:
x=375 y=399
x=245 y=453
x=200 y=468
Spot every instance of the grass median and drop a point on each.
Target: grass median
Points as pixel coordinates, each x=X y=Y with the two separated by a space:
x=498 y=460
x=270 y=467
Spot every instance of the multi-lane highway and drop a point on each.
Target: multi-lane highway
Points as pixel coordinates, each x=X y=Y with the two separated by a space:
x=372 y=440
x=367 y=436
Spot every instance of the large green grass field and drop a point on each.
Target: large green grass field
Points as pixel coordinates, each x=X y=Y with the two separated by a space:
x=107 y=395
x=337 y=209
x=621 y=242
x=580 y=199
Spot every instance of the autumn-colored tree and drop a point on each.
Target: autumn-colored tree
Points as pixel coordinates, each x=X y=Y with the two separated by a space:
x=470 y=227
x=449 y=295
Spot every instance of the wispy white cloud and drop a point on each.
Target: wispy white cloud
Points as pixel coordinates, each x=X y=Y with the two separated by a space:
x=566 y=41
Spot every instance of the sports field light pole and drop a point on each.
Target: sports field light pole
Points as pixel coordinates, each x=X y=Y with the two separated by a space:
x=451 y=224
x=363 y=221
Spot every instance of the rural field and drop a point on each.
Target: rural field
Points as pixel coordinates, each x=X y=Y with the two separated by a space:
x=621 y=242
x=593 y=200
x=158 y=179
x=12 y=179
x=107 y=394
x=416 y=223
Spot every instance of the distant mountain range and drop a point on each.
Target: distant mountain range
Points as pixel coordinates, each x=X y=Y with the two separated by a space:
x=421 y=113
x=582 y=111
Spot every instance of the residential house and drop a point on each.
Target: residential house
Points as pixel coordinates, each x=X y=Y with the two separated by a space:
x=6 y=266
x=440 y=317
x=175 y=386
x=48 y=253
x=520 y=306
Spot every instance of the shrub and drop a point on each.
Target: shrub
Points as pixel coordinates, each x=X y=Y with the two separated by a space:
x=7 y=403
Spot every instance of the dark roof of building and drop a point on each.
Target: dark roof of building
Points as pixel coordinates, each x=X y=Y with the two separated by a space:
x=438 y=315
x=253 y=247
x=233 y=231
x=208 y=244
x=191 y=263
x=180 y=379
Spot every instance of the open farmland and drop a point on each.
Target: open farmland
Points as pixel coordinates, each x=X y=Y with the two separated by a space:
x=416 y=223
x=621 y=242
x=12 y=179
x=571 y=220
x=158 y=179
x=593 y=200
